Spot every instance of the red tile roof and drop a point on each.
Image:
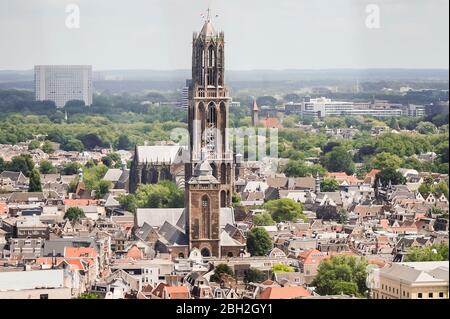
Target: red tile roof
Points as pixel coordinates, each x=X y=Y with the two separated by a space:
x=134 y=252
x=271 y=122
x=3 y=208
x=312 y=256
x=177 y=292
x=284 y=293
x=373 y=173
x=342 y=176
x=80 y=202
x=80 y=252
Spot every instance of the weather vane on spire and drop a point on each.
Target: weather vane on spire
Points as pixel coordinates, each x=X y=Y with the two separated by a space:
x=207 y=17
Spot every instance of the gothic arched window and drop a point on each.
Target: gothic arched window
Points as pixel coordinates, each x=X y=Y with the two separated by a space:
x=211 y=66
x=211 y=126
x=211 y=57
x=206 y=217
x=223 y=199
x=219 y=63
x=212 y=115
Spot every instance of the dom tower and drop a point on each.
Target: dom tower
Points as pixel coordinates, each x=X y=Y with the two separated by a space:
x=210 y=153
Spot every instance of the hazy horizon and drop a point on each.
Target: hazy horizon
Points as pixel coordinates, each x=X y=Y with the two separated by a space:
x=260 y=34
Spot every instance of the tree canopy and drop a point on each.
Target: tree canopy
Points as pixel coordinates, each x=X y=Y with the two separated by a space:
x=339 y=160
x=163 y=195
x=436 y=252
x=285 y=209
x=219 y=271
x=259 y=242
x=341 y=275
x=74 y=213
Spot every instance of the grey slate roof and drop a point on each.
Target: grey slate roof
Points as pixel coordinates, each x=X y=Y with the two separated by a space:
x=173 y=235
x=156 y=217
x=113 y=174
x=143 y=232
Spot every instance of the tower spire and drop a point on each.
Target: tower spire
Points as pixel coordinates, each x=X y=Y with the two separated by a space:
x=208 y=15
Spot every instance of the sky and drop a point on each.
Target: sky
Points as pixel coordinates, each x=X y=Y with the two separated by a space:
x=259 y=34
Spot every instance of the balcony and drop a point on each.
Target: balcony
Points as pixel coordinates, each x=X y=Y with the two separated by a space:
x=212 y=93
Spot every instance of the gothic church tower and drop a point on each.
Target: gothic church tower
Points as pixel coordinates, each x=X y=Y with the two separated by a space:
x=208 y=121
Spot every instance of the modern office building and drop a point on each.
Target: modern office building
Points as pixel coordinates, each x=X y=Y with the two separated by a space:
x=63 y=83
x=416 y=110
x=376 y=112
x=323 y=107
x=184 y=104
x=235 y=104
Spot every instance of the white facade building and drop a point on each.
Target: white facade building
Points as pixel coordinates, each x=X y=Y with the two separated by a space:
x=63 y=83
x=323 y=107
x=185 y=98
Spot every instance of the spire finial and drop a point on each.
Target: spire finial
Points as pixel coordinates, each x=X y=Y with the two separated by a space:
x=208 y=16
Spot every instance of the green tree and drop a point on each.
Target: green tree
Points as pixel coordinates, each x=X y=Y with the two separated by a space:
x=285 y=209
x=298 y=168
x=129 y=202
x=102 y=188
x=387 y=160
x=74 y=213
x=21 y=163
x=46 y=167
x=426 y=128
x=34 y=145
x=236 y=198
x=266 y=101
x=329 y=185
x=341 y=275
x=2 y=164
x=259 y=242
x=280 y=268
x=343 y=216
x=339 y=160
x=254 y=275
x=35 y=181
x=48 y=147
x=390 y=175
x=71 y=168
x=436 y=252
x=112 y=160
x=441 y=188
x=163 y=195
x=72 y=144
x=107 y=161
x=219 y=271
x=123 y=143
x=90 y=295
x=263 y=219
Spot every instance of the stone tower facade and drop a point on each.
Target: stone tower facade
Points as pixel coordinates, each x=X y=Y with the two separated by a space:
x=255 y=115
x=208 y=122
x=203 y=191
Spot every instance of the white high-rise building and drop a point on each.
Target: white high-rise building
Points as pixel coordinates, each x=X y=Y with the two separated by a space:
x=63 y=83
x=185 y=98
